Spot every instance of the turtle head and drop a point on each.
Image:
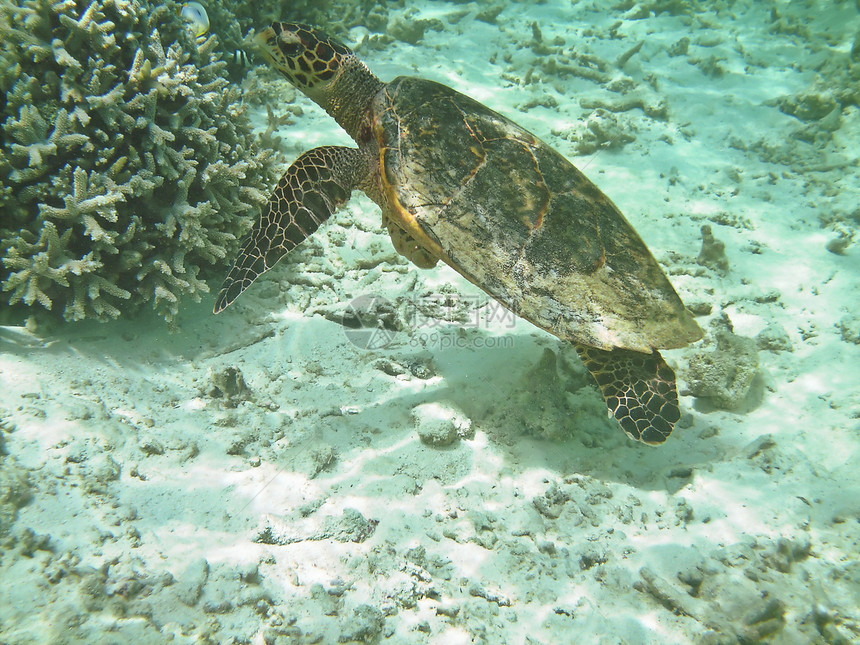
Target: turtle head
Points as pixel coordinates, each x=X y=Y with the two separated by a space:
x=325 y=69
x=309 y=59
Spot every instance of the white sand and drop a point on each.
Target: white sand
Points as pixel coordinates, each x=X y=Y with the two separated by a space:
x=138 y=507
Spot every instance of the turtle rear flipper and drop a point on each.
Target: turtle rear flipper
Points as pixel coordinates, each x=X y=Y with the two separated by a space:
x=408 y=246
x=312 y=189
x=639 y=390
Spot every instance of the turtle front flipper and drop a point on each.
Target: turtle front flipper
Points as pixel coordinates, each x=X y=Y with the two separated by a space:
x=312 y=189
x=639 y=390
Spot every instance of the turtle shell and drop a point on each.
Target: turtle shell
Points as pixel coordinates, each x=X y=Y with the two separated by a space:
x=517 y=219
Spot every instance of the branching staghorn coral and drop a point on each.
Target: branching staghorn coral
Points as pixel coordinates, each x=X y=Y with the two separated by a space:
x=127 y=163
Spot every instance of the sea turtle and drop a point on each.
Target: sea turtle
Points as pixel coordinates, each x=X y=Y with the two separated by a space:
x=461 y=183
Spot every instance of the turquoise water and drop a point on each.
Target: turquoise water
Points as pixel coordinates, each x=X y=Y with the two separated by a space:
x=359 y=450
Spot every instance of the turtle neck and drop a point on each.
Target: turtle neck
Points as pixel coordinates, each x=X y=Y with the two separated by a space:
x=349 y=96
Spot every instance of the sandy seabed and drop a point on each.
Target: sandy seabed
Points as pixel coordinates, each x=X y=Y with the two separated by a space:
x=272 y=475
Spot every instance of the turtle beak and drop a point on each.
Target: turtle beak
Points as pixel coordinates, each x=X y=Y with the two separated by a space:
x=265 y=41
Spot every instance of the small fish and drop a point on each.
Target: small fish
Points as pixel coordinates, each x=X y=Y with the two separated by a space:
x=198 y=19
x=240 y=58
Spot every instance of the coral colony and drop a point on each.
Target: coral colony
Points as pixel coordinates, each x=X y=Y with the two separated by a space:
x=127 y=165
